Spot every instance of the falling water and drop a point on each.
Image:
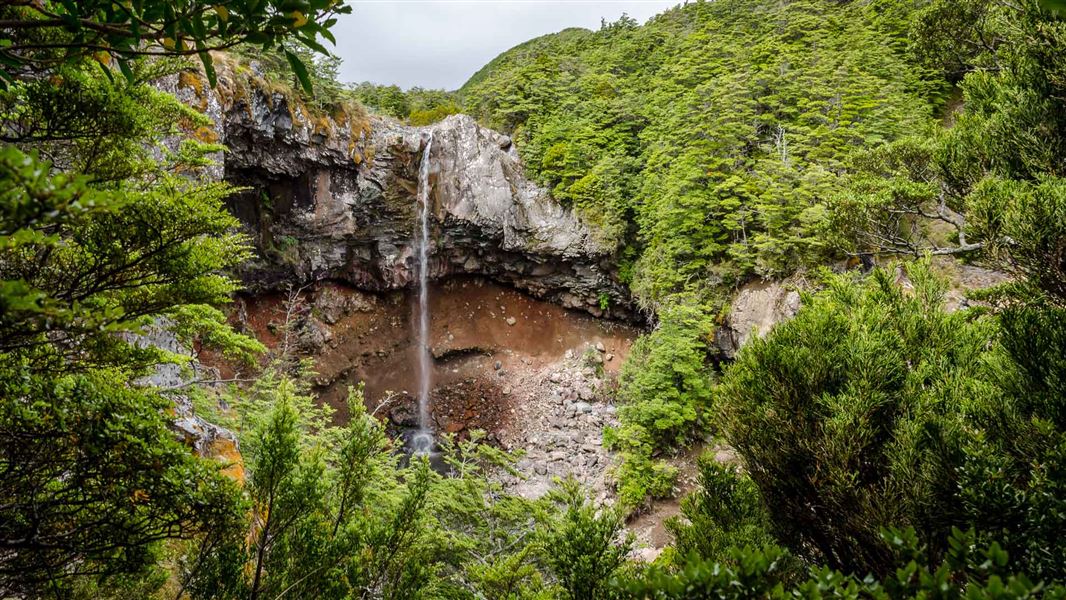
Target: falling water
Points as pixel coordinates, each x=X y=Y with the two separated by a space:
x=422 y=441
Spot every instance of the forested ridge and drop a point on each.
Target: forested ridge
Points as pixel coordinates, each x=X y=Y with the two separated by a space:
x=715 y=129
x=890 y=448
x=724 y=141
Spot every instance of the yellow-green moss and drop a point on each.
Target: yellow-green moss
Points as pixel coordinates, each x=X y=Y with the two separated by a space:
x=192 y=80
x=206 y=135
x=237 y=84
x=322 y=125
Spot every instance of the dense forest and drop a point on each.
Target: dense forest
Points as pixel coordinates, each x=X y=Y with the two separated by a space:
x=890 y=448
x=723 y=141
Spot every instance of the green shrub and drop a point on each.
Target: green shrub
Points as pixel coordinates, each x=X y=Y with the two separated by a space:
x=639 y=476
x=418 y=106
x=665 y=384
x=966 y=572
x=875 y=408
x=586 y=546
x=725 y=511
x=432 y=115
x=664 y=387
x=852 y=416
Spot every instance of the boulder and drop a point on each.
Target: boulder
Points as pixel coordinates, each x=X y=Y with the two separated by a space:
x=756 y=308
x=207 y=439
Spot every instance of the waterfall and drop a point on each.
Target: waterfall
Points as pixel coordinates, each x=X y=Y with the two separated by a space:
x=422 y=442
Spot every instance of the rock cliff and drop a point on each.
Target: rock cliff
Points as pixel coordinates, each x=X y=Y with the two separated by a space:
x=334 y=198
x=172 y=380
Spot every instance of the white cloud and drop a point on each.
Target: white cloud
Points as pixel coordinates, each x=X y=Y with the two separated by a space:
x=441 y=43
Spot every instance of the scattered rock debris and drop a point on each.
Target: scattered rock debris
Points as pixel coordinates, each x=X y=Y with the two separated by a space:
x=532 y=375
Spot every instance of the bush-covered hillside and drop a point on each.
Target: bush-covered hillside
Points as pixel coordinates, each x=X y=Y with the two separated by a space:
x=708 y=144
x=731 y=139
x=891 y=449
x=709 y=139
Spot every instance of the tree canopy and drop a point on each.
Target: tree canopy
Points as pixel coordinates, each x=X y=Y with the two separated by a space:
x=41 y=35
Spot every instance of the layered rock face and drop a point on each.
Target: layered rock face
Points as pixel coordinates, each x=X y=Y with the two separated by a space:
x=335 y=199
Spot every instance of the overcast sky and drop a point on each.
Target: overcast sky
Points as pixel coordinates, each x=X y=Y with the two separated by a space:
x=441 y=43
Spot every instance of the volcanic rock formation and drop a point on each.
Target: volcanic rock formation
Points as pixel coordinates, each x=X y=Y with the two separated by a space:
x=333 y=198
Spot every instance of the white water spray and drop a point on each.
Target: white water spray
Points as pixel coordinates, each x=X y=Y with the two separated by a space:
x=422 y=441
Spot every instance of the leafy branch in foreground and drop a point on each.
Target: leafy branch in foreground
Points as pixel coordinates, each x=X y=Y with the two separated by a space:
x=90 y=263
x=43 y=35
x=968 y=571
x=93 y=480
